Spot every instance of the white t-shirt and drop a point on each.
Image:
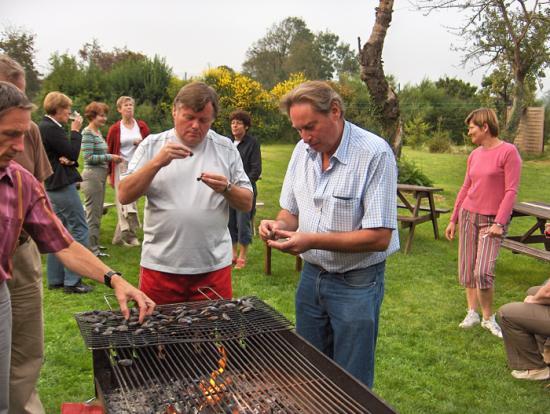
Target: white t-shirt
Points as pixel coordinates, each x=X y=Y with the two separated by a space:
x=185 y=221
x=127 y=138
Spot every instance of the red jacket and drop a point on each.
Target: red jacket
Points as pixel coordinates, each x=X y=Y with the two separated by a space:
x=113 y=142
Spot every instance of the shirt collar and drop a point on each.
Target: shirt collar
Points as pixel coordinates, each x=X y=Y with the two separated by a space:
x=8 y=172
x=341 y=154
x=54 y=120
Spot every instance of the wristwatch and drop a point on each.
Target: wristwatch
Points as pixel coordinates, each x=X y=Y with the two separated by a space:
x=107 y=277
x=227 y=188
x=500 y=225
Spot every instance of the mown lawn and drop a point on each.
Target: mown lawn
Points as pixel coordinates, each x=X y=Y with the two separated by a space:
x=425 y=363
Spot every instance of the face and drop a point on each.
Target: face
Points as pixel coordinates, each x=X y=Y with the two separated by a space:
x=477 y=134
x=322 y=132
x=100 y=119
x=126 y=110
x=13 y=125
x=238 y=129
x=62 y=115
x=192 y=126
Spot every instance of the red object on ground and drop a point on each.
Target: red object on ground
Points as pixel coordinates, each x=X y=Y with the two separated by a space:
x=81 y=408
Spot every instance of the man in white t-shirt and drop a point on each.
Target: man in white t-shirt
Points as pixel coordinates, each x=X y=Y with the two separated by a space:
x=190 y=176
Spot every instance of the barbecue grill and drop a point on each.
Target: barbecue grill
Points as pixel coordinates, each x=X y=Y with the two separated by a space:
x=216 y=357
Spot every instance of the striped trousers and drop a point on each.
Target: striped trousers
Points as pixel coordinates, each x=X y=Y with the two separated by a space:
x=477 y=251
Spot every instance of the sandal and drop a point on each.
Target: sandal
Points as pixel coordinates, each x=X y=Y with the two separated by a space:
x=240 y=263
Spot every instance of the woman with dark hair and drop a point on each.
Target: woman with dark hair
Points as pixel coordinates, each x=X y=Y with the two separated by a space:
x=123 y=138
x=63 y=155
x=240 y=223
x=483 y=208
x=96 y=165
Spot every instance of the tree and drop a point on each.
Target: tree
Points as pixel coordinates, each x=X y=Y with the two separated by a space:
x=290 y=47
x=94 y=55
x=512 y=34
x=19 y=45
x=372 y=73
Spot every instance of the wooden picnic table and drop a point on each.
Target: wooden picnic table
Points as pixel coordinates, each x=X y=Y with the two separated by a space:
x=540 y=212
x=420 y=213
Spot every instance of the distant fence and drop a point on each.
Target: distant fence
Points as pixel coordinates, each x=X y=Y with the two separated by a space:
x=530 y=136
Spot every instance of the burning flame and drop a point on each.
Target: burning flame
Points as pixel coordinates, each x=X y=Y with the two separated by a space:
x=214 y=387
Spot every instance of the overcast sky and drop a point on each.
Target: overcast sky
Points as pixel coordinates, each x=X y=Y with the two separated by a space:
x=193 y=36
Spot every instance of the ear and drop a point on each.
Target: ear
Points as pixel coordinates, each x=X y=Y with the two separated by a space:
x=174 y=111
x=335 y=110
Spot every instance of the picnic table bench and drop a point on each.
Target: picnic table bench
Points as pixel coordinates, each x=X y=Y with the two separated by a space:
x=520 y=244
x=419 y=213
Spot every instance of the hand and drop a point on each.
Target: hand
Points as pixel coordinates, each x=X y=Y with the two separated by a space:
x=495 y=231
x=530 y=299
x=116 y=158
x=124 y=292
x=450 y=231
x=547 y=230
x=290 y=241
x=76 y=125
x=65 y=161
x=172 y=151
x=216 y=182
x=267 y=229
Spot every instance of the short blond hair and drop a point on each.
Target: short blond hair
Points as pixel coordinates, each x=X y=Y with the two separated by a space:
x=56 y=100
x=483 y=116
x=123 y=99
x=10 y=70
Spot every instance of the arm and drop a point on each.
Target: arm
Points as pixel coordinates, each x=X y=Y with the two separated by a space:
x=512 y=175
x=89 y=150
x=255 y=162
x=239 y=198
x=285 y=221
x=80 y=260
x=55 y=138
x=450 y=230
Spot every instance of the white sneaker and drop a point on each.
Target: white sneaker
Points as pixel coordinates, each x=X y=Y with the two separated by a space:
x=492 y=326
x=471 y=319
x=533 y=374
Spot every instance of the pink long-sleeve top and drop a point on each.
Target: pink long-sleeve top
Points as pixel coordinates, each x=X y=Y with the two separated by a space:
x=491 y=183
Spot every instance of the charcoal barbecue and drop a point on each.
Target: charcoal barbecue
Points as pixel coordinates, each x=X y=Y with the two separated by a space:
x=216 y=356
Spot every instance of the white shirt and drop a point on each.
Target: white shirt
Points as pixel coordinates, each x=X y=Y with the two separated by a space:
x=127 y=138
x=185 y=222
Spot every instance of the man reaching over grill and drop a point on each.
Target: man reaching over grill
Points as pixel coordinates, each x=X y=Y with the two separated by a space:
x=190 y=176
x=338 y=211
x=25 y=206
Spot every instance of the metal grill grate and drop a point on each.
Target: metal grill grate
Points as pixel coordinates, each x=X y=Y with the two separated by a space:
x=263 y=373
x=211 y=320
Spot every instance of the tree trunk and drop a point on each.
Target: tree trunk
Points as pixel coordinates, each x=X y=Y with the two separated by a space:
x=372 y=74
x=518 y=106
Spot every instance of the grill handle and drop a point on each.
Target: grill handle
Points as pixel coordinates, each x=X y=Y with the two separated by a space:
x=204 y=289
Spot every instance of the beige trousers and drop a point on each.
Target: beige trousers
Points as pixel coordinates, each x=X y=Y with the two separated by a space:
x=27 y=345
x=128 y=220
x=526 y=332
x=93 y=188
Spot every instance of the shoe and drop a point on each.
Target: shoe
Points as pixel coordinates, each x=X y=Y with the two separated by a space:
x=78 y=288
x=101 y=254
x=132 y=243
x=546 y=355
x=492 y=326
x=102 y=247
x=53 y=287
x=532 y=374
x=240 y=263
x=471 y=319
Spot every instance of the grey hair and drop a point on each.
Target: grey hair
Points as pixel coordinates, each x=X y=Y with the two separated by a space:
x=318 y=94
x=11 y=97
x=10 y=70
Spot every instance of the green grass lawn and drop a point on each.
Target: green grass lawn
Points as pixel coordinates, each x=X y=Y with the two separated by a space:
x=425 y=363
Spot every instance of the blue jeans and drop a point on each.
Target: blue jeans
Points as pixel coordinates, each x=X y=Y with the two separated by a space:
x=240 y=227
x=5 y=346
x=338 y=314
x=68 y=208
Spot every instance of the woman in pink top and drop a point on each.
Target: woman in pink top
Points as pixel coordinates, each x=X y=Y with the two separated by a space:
x=483 y=208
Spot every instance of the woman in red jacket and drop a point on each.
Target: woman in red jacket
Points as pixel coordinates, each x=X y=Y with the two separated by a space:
x=122 y=139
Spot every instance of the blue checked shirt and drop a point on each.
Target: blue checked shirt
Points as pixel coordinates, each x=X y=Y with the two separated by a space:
x=357 y=191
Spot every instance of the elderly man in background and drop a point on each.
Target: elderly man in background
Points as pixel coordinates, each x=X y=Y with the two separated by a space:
x=27 y=344
x=338 y=212
x=25 y=207
x=190 y=176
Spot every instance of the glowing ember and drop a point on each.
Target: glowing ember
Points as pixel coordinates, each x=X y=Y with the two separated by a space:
x=214 y=387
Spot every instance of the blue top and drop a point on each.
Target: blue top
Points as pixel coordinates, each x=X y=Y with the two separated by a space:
x=357 y=191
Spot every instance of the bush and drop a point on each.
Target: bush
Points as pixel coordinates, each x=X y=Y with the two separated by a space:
x=440 y=142
x=416 y=132
x=410 y=173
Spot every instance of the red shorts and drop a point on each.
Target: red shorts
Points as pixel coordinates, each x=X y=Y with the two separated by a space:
x=166 y=288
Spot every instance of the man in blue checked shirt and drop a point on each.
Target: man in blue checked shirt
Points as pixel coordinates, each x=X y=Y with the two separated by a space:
x=338 y=211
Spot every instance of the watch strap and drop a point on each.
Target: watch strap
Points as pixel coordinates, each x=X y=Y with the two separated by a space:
x=107 y=277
